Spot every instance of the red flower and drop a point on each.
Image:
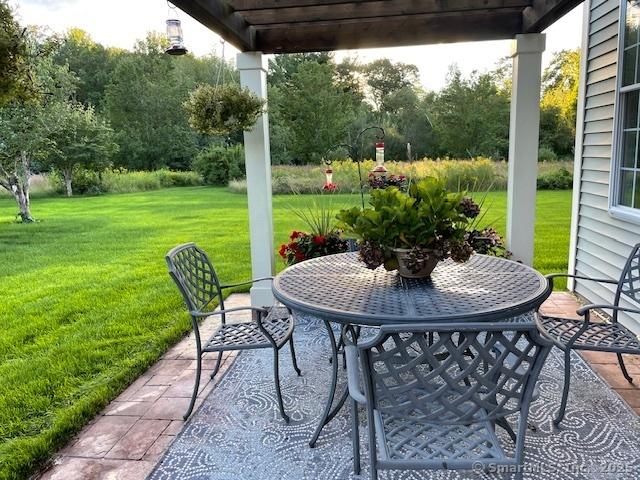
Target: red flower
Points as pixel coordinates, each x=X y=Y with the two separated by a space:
x=300 y=256
x=295 y=234
x=293 y=246
x=319 y=239
x=283 y=250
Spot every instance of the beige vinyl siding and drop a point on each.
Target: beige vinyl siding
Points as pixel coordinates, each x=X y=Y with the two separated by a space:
x=603 y=242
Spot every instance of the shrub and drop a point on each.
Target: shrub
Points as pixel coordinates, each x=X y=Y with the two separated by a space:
x=169 y=178
x=560 y=179
x=85 y=182
x=217 y=164
x=545 y=154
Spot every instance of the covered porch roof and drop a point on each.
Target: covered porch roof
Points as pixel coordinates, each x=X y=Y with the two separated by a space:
x=290 y=26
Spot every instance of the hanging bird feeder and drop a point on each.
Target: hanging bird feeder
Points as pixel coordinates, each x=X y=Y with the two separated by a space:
x=380 y=169
x=174 y=33
x=329 y=186
x=176 y=41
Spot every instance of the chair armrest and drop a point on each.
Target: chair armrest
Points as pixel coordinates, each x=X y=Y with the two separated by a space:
x=583 y=311
x=248 y=282
x=353 y=374
x=551 y=276
x=198 y=314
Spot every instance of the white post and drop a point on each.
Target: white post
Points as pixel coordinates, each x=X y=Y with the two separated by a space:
x=523 y=144
x=577 y=162
x=253 y=75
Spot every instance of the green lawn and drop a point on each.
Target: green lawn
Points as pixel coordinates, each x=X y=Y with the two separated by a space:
x=87 y=304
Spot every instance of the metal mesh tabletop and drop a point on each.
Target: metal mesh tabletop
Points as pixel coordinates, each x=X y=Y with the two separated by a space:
x=340 y=288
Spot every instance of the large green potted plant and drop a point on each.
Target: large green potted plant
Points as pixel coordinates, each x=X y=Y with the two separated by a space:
x=412 y=231
x=222 y=109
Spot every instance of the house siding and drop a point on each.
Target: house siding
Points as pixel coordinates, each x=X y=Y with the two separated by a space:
x=602 y=242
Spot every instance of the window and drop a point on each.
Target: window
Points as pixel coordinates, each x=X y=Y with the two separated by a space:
x=625 y=194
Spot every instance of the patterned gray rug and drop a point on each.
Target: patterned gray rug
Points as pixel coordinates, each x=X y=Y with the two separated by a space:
x=239 y=434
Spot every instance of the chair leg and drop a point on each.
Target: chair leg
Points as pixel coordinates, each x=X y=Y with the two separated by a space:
x=276 y=374
x=373 y=453
x=565 y=391
x=293 y=356
x=196 y=386
x=355 y=437
x=217 y=367
x=624 y=368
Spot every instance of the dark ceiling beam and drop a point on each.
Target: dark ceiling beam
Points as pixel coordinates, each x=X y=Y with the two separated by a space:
x=385 y=32
x=543 y=13
x=372 y=9
x=218 y=16
x=242 y=5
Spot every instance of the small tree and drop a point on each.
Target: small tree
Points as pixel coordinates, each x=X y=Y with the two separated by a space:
x=23 y=139
x=78 y=138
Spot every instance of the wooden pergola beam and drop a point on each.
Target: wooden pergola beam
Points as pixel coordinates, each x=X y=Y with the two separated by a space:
x=370 y=9
x=244 y=5
x=381 y=32
x=543 y=13
x=218 y=16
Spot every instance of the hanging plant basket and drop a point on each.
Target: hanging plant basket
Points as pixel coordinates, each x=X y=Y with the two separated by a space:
x=222 y=109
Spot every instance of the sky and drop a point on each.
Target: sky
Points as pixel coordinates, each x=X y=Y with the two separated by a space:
x=119 y=23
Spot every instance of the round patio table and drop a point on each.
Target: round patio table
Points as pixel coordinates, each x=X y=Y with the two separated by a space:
x=339 y=288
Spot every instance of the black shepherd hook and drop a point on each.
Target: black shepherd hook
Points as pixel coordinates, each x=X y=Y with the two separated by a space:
x=355 y=153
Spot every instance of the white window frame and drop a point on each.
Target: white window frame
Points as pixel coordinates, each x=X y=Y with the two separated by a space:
x=621 y=212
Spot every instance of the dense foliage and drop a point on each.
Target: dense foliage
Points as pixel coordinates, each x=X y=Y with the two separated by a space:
x=222 y=109
x=14 y=68
x=217 y=164
x=428 y=220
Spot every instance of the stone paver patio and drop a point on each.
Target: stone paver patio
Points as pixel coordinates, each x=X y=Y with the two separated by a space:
x=129 y=437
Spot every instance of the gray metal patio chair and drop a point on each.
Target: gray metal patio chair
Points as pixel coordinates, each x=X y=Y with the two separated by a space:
x=434 y=394
x=601 y=336
x=190 y=268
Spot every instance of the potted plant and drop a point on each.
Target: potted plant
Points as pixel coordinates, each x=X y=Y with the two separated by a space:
x=222 y=109
x=412 y=231
x=323 y=236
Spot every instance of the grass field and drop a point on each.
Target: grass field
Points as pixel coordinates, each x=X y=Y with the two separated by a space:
x=87 y=305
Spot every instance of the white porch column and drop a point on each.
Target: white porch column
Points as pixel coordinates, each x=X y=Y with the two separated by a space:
x=523 y=144
x=253 y=75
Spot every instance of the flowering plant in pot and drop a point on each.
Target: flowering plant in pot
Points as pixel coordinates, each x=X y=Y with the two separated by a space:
x=303 y=246
x=412 y=231
x=323 y=237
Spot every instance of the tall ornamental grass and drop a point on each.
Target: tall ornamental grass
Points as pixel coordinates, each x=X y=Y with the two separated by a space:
x=480 y=174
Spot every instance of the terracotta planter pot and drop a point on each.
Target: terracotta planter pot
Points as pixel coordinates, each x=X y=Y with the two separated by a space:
x=425 y=272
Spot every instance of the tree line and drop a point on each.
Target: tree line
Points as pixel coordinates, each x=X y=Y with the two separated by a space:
x=69 y=103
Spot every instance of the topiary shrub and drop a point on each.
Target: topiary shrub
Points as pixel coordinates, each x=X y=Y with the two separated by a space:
x=217 y=164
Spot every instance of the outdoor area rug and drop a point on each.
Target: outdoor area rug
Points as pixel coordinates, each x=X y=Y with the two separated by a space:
x=238 y=432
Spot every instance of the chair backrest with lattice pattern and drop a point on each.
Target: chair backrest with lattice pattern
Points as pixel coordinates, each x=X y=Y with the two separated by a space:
x=190 y=268
x=629 y=284
x=453 y=375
